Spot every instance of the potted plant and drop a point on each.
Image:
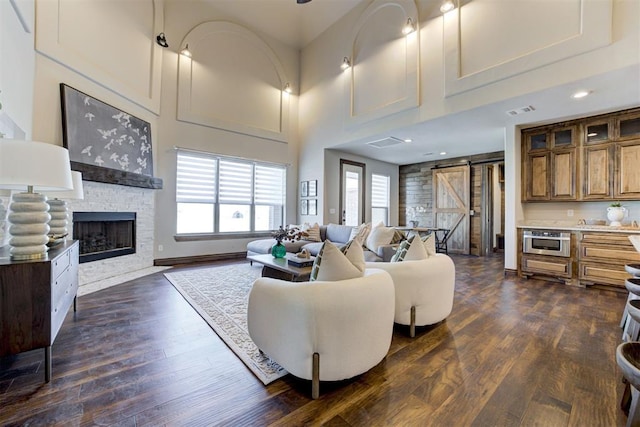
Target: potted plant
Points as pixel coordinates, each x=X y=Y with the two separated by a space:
x=615 y=213
x=412 y=213
x=294 y=233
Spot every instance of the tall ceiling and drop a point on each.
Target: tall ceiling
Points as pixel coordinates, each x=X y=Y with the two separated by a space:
x=291 y=23
x=480 y=130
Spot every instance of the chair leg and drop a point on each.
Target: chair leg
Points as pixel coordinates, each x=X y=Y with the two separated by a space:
x=315 y=376
x=633 y=419
x=412 y=324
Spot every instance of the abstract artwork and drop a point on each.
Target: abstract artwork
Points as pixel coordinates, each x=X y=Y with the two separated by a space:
x=101 y=135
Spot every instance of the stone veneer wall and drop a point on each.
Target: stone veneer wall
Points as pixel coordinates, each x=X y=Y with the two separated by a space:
x=99 y=197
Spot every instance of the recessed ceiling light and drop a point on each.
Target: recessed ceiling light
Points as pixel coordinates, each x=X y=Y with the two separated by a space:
x=408 y=140
x=442 y=153
x=580 y=94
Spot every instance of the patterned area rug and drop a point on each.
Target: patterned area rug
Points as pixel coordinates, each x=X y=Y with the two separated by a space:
x=220 y=295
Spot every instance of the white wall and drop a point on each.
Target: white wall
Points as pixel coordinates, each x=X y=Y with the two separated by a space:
x=210 y=134
x=332 y=181
x=17 y=64
x=602 y=37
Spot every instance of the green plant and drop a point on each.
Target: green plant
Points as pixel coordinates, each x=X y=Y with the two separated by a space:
x=616 y=205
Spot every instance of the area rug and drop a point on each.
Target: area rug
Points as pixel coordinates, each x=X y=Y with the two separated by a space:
x=221 y=295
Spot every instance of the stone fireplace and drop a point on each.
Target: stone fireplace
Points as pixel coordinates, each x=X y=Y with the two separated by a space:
x=105 y=198
x=104 y=234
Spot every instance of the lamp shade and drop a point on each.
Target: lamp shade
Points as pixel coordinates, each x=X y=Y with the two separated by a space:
x=76 y=194
x=44 y=166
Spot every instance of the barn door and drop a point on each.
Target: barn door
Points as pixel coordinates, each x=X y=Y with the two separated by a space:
x=451 y=204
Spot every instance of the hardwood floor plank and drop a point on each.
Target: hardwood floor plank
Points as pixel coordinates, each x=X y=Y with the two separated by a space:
x=513 y=352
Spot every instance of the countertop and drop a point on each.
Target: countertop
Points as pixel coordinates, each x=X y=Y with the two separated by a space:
x=539 y=225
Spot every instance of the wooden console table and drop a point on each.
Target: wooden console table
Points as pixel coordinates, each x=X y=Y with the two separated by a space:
x=35 y=297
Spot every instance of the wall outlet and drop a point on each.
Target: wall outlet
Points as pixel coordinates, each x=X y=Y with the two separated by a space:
x=332 y=211
x=569 y=212
x=160 y=248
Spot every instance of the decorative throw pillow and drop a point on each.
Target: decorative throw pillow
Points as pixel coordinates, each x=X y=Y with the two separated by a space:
x=398 y=236
x=361 y=232
x=332 y=264
x=380 y=235
x=430 y=244
x=411 y=249
x=313 y=232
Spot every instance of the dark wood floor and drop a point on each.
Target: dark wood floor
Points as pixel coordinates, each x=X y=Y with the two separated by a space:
x=513 y=352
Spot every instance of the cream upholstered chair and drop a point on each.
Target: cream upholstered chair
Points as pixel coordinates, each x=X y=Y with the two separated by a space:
x=323 y=331
x=424 y=289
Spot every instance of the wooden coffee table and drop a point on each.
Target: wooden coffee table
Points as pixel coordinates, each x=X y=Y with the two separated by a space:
x=278 y=268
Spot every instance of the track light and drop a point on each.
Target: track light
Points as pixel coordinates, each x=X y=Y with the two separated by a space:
x=186 y=52
x=346 y=63
x=446 y=6
x=162 y=40
x=287 y=88
x=409 y=27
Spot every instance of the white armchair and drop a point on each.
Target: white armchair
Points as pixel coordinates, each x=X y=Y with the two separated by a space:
x=424 y=289
x=323 y=331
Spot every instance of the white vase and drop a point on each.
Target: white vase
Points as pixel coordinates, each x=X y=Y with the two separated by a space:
x=615 y=215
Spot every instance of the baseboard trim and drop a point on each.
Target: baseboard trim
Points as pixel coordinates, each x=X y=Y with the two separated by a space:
x=199 y=259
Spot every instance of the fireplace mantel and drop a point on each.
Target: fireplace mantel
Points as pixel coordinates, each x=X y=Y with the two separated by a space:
x=113 y=176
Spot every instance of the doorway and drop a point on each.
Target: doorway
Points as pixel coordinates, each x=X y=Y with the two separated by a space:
x=352 y=191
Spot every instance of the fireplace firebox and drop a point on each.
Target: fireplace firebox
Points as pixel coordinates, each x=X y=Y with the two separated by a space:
x=104 y=234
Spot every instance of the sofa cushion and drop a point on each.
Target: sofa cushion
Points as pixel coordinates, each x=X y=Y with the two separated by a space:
x=333 y=264
x=411 y=249
x=430 y=244
x=313 y=232
x=380 y=235
x=338 y=233
x=361 y=232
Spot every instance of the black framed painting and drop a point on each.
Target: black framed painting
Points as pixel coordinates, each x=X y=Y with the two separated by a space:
x=304 y=207
x=313 y=207
x=304 y=188
x=98 y=134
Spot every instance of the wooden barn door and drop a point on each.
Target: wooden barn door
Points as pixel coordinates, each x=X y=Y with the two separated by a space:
x=451 y=204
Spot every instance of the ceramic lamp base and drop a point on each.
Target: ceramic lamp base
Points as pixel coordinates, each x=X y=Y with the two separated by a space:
x=29 y=217
x=59 y=217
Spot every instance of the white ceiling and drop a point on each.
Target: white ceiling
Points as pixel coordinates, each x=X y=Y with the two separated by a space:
x=291 y=23
x=476 y=131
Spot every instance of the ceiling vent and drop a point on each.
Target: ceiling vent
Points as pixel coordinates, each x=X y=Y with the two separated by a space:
x=521 y=110
x=386 y=142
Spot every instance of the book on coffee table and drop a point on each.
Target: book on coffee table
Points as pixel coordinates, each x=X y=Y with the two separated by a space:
x=300 y=262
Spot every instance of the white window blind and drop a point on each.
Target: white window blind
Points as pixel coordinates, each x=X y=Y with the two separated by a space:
x=270 y=185
x=196 y=178
x=379 y=191
x=236 y=182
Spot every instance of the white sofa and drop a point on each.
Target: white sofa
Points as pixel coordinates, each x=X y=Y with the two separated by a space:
x=423 y=289
x=323 y=331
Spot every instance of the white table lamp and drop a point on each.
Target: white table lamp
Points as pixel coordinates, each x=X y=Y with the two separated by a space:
x=58 y=206
x=34 y=166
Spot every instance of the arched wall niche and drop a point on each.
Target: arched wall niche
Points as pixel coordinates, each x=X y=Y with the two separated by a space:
x=233 y=81
x=384 y=76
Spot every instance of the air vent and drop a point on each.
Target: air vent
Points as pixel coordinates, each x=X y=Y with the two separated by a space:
x=521 y=110
x=386 y=142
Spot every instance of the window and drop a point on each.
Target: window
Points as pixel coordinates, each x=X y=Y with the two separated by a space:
x=216 y=194
x=379 y=199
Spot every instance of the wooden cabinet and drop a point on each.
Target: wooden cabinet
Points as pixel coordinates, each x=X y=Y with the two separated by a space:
x=549 y=164
x=35 y=297
x=551 y=266
x=602 y=257
x=594 y=158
